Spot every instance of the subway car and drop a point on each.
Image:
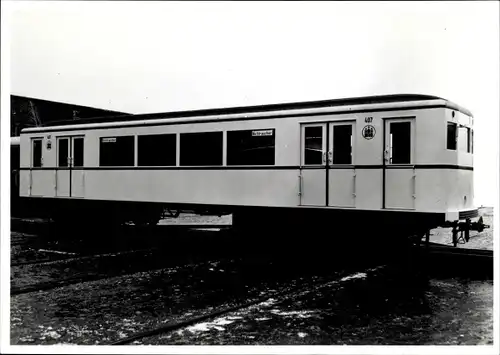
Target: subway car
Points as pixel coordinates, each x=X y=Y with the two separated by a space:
x=401 y=164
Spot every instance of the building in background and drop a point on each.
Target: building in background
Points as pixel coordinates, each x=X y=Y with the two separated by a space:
x=32 y=112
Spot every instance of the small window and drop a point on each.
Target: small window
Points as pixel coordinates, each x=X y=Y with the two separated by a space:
x=469 y=140
x=37 y=153
x=400 y=142
x=157 y=150
x=451 y=138
x=472 y=141
x=116 y=151
x=251 y=147
x=313 y=145
x=342 y=144
x=199 y=149
x=78 y=152
x=62 y=152
x=14 y=157
x=463 y=140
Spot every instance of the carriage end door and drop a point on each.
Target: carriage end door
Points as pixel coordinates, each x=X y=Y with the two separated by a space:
x=399 y=169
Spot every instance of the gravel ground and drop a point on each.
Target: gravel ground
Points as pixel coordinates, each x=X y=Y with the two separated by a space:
x=100 y=311
x=107 y=310
x=447 y=312
x=104 y=266
x=483 y=240
x=23 y=254
x=128 y=255
x=187 y=218
x=357 y=311
x=40 y=246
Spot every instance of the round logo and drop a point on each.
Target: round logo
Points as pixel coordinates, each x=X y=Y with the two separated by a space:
x=368 y=132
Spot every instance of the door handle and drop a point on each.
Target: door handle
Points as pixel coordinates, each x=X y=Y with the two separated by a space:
x=354 y=185
x=324 y=157
x=330 y=157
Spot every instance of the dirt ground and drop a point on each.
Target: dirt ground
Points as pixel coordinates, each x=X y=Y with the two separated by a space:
x=447 y=312
x=444 y=312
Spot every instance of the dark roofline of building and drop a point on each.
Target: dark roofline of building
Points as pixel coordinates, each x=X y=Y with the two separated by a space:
x=69 y=104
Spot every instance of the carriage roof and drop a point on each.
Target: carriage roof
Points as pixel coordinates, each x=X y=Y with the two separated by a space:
x=240 y=112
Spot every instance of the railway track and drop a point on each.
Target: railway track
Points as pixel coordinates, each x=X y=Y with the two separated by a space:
x=447 y=261
x=80 y=257
x=49 y=285
x=437 y=248
x=100 y=266
x=24 y=222
x=282 y=295
x=41 y=248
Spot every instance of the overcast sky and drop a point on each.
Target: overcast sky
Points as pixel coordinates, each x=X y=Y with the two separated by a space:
x=161 y=56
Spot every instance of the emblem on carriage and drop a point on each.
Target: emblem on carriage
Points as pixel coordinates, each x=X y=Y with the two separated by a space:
x=368 y=132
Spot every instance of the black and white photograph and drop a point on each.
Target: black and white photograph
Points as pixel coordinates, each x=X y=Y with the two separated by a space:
x=250 y=177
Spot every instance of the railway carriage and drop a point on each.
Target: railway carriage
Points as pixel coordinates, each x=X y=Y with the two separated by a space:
x=14 y=174
x=381 y=162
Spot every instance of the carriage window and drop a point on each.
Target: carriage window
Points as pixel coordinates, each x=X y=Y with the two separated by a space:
x=472 y=141
x=463 y=139
x=14 y=157
x=116 y=151
x=62 y=152
x=342 y=144
x=199 y=149
x=251 y=147
x=313 y=145
x=157 y=150
x=451 y=138
x=469 y=140
x=37 y=153
x=78 y=152
x=400 y=142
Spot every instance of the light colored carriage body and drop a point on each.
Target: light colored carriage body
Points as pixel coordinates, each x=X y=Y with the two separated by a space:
x=399 y=159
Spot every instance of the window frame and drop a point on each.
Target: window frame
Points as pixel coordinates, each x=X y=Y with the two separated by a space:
x=454 y=124
x=331 y=143
x=389 y=141
x=273 y=135
x=67 y=163
x=472 y=140
x=33 y=140
x=220 y=162
x=323 y=126
x=469 y=140
x=73 y=150
x=176 y=150
x=130 y=136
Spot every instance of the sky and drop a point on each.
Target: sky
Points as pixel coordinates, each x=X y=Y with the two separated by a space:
x=141 y=57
